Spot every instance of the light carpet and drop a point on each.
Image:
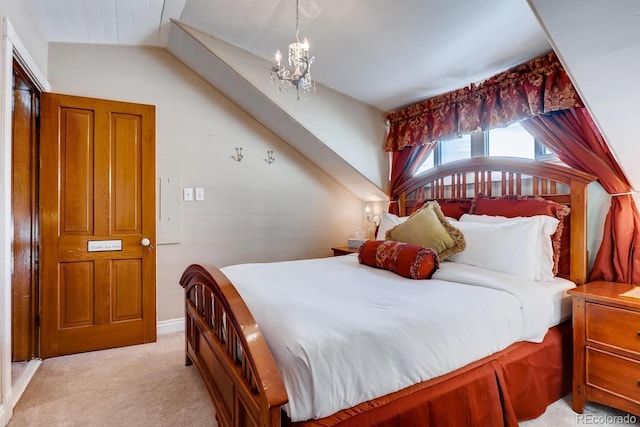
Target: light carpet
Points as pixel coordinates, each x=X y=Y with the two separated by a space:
x=560 y=414
x=142 y=385
x=149 y=385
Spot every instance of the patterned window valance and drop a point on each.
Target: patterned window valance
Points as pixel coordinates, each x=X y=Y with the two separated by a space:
x=528 y=90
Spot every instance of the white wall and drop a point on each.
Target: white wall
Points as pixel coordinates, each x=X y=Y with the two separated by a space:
x=253 y=211
x=598 y=42
x=351 y=130
x=27 y=29
x=6 y=58
x=598 y=202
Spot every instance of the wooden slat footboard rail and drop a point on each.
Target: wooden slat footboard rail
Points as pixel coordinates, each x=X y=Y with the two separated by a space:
x=226 y=345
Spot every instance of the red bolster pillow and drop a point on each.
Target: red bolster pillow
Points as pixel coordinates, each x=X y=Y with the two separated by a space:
x=405 y=259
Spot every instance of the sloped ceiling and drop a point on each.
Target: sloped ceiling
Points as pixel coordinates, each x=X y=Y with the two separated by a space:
x=390 y=54
x=386 y=54
x=347 y=149
x=128 y=22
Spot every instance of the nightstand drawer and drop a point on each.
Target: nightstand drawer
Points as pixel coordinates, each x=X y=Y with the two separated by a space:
x=613 y=326
x=613 y=374
x=606 y=346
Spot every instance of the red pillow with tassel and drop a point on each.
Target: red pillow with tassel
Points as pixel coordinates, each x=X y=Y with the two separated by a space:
x=405 y=259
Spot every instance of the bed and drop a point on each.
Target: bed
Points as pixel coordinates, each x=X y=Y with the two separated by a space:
x=515 y=382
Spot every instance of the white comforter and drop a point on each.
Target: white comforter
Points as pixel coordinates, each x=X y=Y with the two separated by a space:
x=343 y=333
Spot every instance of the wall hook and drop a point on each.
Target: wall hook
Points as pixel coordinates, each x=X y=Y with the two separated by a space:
x=270 y=159
x=238 y=157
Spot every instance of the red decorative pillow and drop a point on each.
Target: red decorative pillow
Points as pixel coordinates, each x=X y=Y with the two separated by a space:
x=405 y=259
x=451 y=208
x=513 y=205
x=455 y=208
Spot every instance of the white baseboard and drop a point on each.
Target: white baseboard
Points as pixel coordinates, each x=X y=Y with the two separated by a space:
x=3 y=419
x=170 y=326
x=16 y=390
x=23 y=380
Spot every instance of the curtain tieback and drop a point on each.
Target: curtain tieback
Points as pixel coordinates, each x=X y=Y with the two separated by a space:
x=628 y=193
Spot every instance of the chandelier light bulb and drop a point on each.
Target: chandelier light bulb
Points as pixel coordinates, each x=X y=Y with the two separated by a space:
x=278 y=57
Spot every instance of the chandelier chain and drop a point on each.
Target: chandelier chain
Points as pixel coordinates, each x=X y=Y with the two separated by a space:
x=297 y=21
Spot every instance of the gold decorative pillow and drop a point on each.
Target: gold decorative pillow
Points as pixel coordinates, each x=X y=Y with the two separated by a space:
x=428 y=227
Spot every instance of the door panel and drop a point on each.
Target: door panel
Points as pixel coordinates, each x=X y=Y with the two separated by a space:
x=76 y=171
x=76 y=294
x=126 y=170
x=101 y=154
x=127 y=299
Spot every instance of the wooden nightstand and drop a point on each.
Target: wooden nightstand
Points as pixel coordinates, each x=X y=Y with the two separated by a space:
x=606 y=346
x=344 y=250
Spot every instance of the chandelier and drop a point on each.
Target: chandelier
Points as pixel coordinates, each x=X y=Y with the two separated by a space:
x=299 y=75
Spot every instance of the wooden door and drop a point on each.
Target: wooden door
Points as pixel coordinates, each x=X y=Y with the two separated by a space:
x=97 y=194
x=24 y=214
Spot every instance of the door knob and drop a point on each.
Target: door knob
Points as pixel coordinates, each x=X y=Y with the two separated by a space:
x=146 y=242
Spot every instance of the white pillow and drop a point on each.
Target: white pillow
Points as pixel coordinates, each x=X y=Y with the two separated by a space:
x=547 y=225
x=507 y=247
x=387 y=222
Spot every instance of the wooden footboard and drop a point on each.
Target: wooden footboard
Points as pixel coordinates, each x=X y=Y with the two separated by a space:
x=226 y=345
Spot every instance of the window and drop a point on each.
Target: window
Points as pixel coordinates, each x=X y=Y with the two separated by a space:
x=455 y=149
x=513 y=141
x=428 y=163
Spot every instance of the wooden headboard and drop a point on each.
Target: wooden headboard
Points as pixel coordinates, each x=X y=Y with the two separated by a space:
x=499 y=176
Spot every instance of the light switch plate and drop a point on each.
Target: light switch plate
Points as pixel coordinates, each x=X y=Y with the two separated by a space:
x=187 y=194
x=199 y=193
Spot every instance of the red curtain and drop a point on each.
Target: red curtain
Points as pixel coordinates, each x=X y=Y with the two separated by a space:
x=533 y=88
x=574 y=138
x=403 y=166
x=541 y=92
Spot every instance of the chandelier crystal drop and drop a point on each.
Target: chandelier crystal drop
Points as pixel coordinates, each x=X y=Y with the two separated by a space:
x=298 y=74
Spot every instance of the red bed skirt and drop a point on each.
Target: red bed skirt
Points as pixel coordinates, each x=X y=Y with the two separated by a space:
x=515 y=384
